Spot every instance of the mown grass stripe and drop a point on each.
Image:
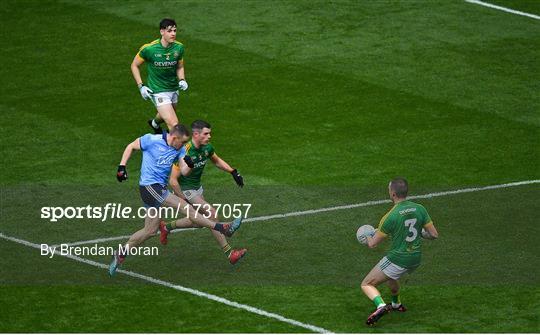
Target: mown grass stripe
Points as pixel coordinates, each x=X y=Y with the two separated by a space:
x=212 y=297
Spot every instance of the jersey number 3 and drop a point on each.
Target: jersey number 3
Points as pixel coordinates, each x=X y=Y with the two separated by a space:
x=410 y=224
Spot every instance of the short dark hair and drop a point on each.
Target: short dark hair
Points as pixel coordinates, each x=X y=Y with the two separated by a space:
x=166 y=23
x=198 y=125
x=179 y=130
x=400 y=187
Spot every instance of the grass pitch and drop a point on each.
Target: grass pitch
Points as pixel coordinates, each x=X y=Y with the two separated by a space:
x=317 y=104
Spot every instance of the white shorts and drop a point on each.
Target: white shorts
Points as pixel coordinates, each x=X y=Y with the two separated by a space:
x=165 y=98
x=190 y=194
x=392 y=270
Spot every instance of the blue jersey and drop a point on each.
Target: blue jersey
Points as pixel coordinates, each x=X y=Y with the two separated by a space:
x=158 y=157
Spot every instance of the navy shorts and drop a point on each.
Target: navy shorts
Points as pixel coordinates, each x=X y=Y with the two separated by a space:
x=153 y=195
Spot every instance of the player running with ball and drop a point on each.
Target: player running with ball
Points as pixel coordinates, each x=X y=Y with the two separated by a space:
x=189 y=186
x=406 y=223
x=159 y=153
x=164 y=60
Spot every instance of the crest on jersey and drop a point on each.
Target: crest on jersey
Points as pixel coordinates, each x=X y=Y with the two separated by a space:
x=175 y=54
x=168 y=56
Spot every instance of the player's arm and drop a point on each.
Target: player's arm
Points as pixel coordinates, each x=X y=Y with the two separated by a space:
x=432 y=233
x=221 y=164
x=186 y=165
x=173 y=180
x=374 y=241
x=180 y=70
x=385 y=226
x=135 y=145
x=121 y=174
x=182 y=83
x=137 y=62
x=144 y=90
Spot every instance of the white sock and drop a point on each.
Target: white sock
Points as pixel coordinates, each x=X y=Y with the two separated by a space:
x=394 y=305
x=154 y=124
x=380 y=305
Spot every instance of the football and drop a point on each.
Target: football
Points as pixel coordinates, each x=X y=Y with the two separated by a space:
x=426 y=234
x=363 y=231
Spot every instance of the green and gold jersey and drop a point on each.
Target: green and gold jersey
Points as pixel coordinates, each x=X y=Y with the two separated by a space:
x=200 y=157
x=404 y=223
x=161 y=64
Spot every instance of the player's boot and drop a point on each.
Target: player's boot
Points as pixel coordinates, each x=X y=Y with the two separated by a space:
x=158 y=130
x=230 y=228
x=115 y=263
x=375 y=316
x=163 y=233
x=237 y=255
x=400 y=308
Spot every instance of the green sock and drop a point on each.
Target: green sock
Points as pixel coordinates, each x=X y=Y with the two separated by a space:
x=169 y=226
x=395 y=300
x=227 y=250
x=378 y=301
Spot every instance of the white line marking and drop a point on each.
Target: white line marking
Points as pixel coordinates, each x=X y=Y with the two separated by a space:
x=336 y=208
x=264 y=218
x=504 y=9
x=181 y=288
x=378 y=202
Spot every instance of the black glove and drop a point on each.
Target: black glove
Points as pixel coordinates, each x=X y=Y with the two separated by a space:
x=189 y=161
x=121 y=175
x=237 y=178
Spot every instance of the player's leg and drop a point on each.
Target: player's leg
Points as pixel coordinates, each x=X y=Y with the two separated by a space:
x=370 y=282
x=165 y=228
x=369 y=286
x=150 y=228
x=181 y=224
x=155 y=124
x=394 y=290
x=168 y=115
x=209 y=212
x=227 y=229
x=165 y=103
x=151 y=225
x=152 y=196
x=205 y=209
